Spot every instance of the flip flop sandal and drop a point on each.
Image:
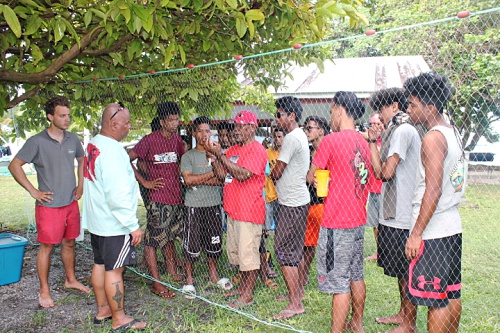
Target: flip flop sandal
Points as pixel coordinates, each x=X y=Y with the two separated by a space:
x=190 y=291
x=101 y=321
x=271 y=284
x=164 y=293
x=128 y=326
x=225 y=284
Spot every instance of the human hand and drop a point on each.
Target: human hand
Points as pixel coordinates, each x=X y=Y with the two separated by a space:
x=42 y=197
x=413 y=245
x=136 y=237
x=155 y=184
x=78 y=192
x=213 y=147
x=374 y=131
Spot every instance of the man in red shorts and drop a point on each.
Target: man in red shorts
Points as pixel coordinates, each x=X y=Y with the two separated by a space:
x=53 y=152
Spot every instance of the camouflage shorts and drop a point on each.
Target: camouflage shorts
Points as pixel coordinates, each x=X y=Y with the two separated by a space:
x=164 y=224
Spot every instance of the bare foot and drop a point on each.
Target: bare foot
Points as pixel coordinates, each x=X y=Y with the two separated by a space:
x=45 y=300
x=77 y=285
x=390 y=320
x=372 y=257
x=356 y=328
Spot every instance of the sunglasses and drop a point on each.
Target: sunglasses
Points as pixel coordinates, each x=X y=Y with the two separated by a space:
x=309 y=128
x=120 y=108
x=279 y=114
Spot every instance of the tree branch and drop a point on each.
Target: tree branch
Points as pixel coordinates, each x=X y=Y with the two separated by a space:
x=48 y=74
x=23 y=97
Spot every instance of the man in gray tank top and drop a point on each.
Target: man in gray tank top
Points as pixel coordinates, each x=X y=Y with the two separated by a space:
x=435 y=242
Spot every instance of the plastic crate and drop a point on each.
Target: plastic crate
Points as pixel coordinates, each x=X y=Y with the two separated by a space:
x=11 y=258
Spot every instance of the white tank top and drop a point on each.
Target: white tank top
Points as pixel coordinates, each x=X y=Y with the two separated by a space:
x=445 y=221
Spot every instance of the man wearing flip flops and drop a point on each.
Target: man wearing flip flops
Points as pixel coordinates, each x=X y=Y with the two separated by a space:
x=203 y=224
x=109 y=213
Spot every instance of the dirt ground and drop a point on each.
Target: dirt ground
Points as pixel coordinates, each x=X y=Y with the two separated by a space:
x=73 y=312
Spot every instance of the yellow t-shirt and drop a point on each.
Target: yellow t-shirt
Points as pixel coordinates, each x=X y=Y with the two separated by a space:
x=271 y=194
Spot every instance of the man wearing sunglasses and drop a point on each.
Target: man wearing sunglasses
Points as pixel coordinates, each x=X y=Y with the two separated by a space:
x=289 y=173
x=110 y=215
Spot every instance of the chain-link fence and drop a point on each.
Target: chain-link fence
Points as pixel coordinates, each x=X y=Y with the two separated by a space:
x=217 y=223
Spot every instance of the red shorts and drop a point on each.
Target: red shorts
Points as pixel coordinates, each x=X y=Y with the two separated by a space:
x=54 y=224
x=313 y=224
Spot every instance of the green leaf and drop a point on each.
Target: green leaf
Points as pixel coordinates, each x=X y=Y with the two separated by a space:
x=255 y=15
x=241 y=26
x=251 y=28
x=59 y=29
x=33 y=24
x=126 y=14
x=206 y=45
x=232 y=3
x=141 y=12
x=87 y=18
x=183 y=54
x=36 y=53
x=12 y=20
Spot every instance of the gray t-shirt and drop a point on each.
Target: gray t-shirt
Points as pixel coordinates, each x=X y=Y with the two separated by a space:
x=406 y=143
x=196 y=162
x=291 y=187
x=55 y=165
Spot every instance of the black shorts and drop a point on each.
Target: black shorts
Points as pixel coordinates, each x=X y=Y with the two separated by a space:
x=113 y=252
x=202 y=231
x=391 y=251
x=436 y=274
x=289 y=235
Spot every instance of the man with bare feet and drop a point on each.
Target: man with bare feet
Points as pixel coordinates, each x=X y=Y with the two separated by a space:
x=289 y=173
x=345 y=153
x=109 y=213
x=396 y=164
x=242 y=168
x=435 y=242
x=161 y=152
x=53 y=152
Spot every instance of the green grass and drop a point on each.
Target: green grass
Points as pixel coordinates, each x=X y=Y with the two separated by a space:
x=481 y=250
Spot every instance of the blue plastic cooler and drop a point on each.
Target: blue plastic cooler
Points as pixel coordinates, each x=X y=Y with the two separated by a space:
x=11 y=258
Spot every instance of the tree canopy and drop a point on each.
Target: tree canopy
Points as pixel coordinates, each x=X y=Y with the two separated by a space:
x=467 y=52
x=46 y=45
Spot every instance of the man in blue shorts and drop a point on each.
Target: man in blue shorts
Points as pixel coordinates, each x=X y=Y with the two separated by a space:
x=109 y=213
x=435 y=242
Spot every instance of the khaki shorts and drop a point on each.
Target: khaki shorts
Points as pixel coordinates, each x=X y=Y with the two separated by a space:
x=243 y=240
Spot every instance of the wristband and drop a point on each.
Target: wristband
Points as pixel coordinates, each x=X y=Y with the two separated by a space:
x=372 y=141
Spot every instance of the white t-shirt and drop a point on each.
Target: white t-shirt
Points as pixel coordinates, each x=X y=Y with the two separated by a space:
x=291 y=187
